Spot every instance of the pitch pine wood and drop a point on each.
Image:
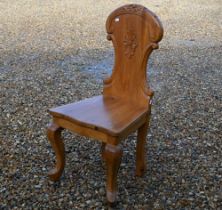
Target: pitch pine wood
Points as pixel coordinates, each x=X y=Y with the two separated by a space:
x=135 y=32
x=102 y=113
x=124 y=106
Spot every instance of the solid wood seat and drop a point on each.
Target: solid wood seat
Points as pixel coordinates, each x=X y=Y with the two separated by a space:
x=125 y=105
x=106 y=114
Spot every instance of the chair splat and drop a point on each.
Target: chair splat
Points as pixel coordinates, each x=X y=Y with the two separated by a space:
x=135 y=32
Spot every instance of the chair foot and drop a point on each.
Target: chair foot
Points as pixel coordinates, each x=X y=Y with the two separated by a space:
x=54 y=136
x=112 y=156
x=112 y=204
x=141 y=150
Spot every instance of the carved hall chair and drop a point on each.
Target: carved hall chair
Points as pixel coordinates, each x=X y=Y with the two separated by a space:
x=125 y=104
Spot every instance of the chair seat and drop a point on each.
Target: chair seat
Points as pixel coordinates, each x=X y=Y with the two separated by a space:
x=101 y=113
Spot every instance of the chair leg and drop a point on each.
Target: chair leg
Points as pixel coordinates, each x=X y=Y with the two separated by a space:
x=112 y=156
x=102 y=150
x=140 y=149
x=54 y=136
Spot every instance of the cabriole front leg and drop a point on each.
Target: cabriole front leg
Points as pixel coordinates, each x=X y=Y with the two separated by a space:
x=54 y=136
x=112 y=155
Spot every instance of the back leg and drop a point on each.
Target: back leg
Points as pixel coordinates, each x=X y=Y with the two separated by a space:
x=141 y=148
x=102 y=150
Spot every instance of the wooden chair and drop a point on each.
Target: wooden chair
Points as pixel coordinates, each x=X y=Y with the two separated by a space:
x=124 y=106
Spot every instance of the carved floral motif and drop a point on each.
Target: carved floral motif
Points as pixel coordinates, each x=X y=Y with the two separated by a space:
x=134 y=8
x=130 y=43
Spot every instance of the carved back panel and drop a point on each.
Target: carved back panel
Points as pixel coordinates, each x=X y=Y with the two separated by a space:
x=135 y=32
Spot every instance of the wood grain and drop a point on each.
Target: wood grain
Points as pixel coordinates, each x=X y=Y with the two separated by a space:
x=135 y=32
x=108 y=114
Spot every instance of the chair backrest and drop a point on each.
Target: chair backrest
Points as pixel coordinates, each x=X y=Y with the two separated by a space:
x=135 y=31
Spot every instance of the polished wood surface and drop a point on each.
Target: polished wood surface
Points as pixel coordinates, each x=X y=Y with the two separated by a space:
x=102 y=113
x=125 y=105
x=135 y=32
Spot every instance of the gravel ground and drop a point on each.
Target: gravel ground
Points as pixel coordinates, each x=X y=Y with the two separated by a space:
x=55 y=53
